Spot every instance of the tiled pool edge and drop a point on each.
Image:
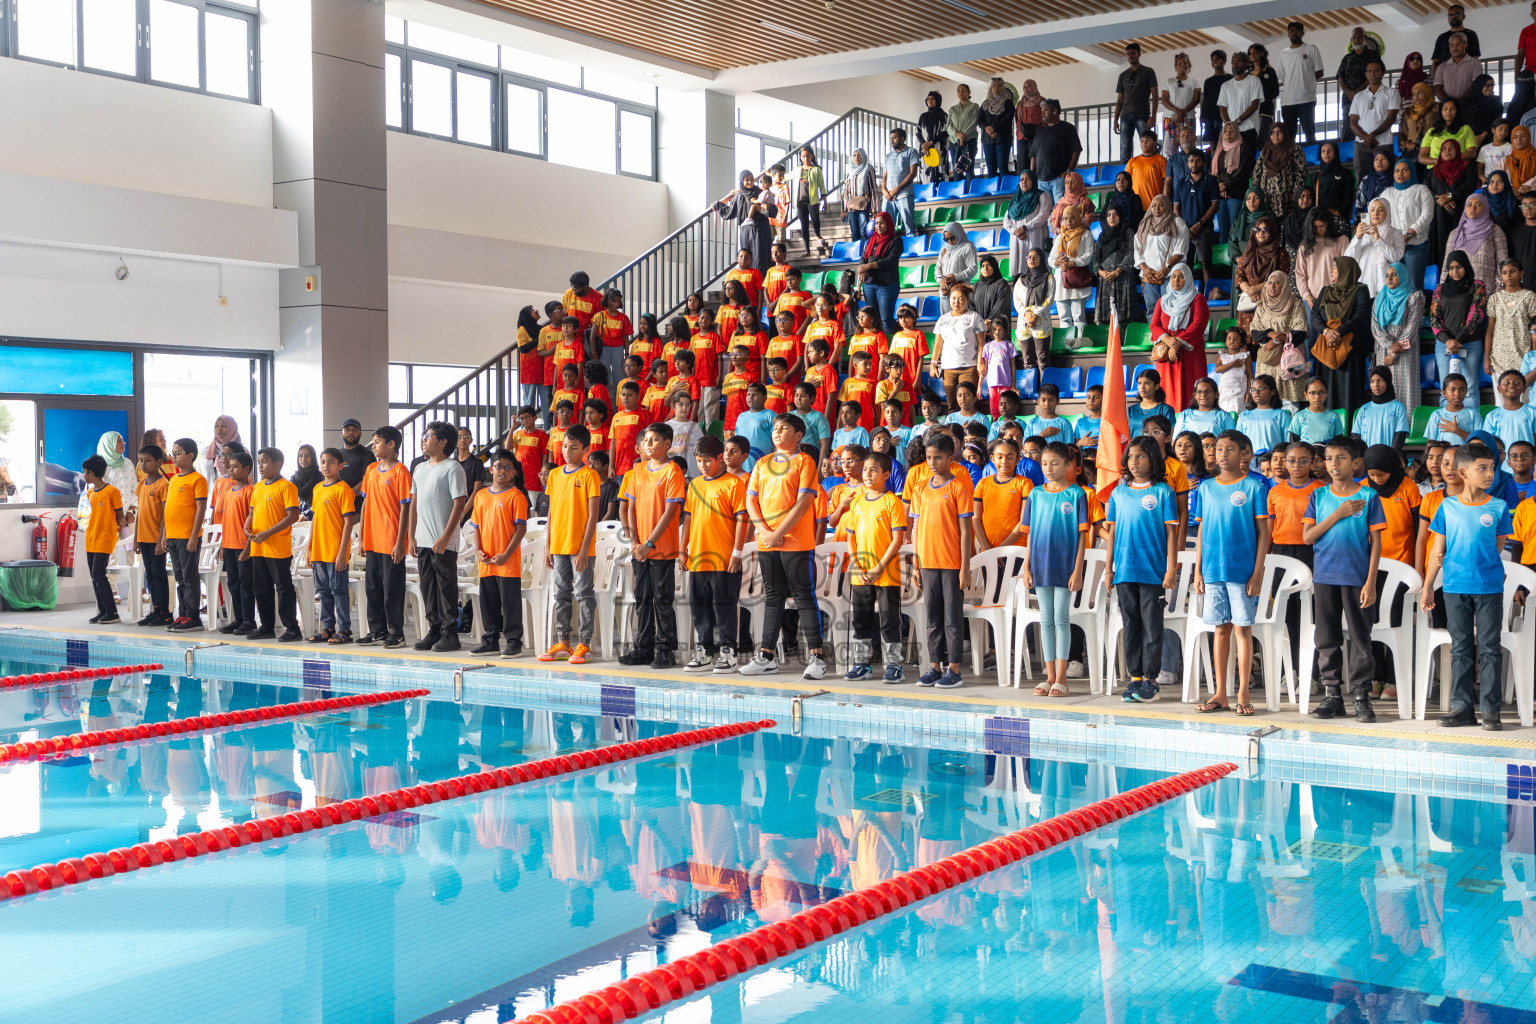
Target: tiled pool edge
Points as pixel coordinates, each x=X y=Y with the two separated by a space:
x=1324 y=759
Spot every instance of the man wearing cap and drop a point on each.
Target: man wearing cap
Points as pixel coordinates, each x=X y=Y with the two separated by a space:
x=355 y=457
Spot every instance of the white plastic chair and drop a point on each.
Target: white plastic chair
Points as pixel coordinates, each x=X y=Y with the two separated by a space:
x=130 y=577
x=1175 y=611
x=834 y=598
x=1398 y=636
x=304 y=587
x=609 y=573
x=1087 y=612
x=537 y=595
x=751 y=600
x=210 y=564
x=1519 y=638
x=1282 y=577
x=990 y=603
x=912 y=606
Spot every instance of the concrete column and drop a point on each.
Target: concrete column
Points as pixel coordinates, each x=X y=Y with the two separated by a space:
x=322 y=76
x=697 y=150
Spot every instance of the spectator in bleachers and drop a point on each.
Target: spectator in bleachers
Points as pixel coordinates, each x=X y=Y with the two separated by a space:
x=1135 y=101
x=1455 y=17
x=1032 y=298
x=1396 y=317
x=957 y=258
x=963 y=125
x=1483 y=109
x=1179 y=319
x=1300 y=66
x=1454 y=76
x=1339 y=324
x=1451 y=182
x=1492 y=154
x=1198 y=203
x=1419 y=116
x=1262 y=256
x=1258 y=58
x=901 y=164
x=878 y=271
x=1412 y=207
x=957 y=339
x=1028 y=115
x=1178 y=144
x=1072 y=256
x=993 y=297
x=1162 y=243
x=1372 y=183
x=1231 y=163
x=933 y=134
x=1376 y=246
x=1509 y=312
x=1124 y=199
x=1296 y=222
x=1520 y=164
x=1148 y=170
x=1115 y=266
x=1411 y=74
x=1522 y=241
x=859 y=194
x=751 y=210
x=1281 y=169
x=1372 y=113
x=1452 y=128
x=1054 y=150
x=1241 y=229
x=810 y=191
x=995 y=127
x=1210 y=96
x=1315 y=255
x=1025 y=220
x=1076 y=194
x=1278 y=315
x=1480 y=238
x=1181 y=94
x=1351 y=71
x=1334 y=183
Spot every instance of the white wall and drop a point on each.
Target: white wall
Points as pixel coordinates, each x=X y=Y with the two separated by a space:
x=896 y=95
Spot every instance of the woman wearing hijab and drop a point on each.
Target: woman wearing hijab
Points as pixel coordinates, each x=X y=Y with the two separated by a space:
x=994 y=127
x=933 y=133
x=1315 y=255
x=1179 y=320
x=1411 y=75
x=1278 y=315
x=1413 y=211
x=306 y=475
x=225 y=431
x=1420 y=115
x=1281 y=169
x=1480 y=238
x=1162 y=243
x=1340 y=332
x=1298 y=218
x=1458 y=317
x=122 y=472
x=1075 y=194
x=1262 y=256
x=1520 y=164
x=878 y=271
x=859 y=194
x=1376 y=246
x=1503 y=206
x=752 y=209
x=530 y=364
x=1027 y=119
x=1335 y=183
x=1125 y=199
x=1384 y=419
x=1451 y=181
x=1483 y=108
x=993 y=297
x=1032 y=298
x=1396 y=317
x=1452 y=128
x=1231 y=161
x=957 y=258
x=1248 y=215
x=1071 y=256
x=1115 y=267
x=1025 y=220
x=1372 y=184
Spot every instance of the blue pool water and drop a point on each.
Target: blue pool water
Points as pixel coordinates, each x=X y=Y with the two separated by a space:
x=1252 y=900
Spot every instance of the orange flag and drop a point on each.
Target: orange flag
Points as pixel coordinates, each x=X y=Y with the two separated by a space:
x=1114 y=424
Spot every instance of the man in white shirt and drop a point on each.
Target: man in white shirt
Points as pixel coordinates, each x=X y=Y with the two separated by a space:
x=1240 y=99
x=1300 y=67
x=1371 y=116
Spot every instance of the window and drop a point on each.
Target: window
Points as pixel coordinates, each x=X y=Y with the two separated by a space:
x=39 y=370
x=186 y=44
x=394 y=91
x=756 y=153
x=450 y=44
x=431 y=98
x=525 y=119
x=636 y=148
x=474 y=108
x=535 y=65
x=18 y=452
x=581 y=131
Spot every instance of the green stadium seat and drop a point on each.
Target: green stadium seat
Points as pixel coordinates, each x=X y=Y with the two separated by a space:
x=1221 y=256
x=812 y=282
x=978 y=213
x=1343 y=415
x=716 y=428
x=1484 y=410
x=1419 y=424
x=936 y=216
x=1136 y=338
x=1002 y=266
x=911 y=277
x=1219 y=330
x=930 y=274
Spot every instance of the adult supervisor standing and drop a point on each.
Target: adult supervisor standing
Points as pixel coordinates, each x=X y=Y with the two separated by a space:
x=356 y=457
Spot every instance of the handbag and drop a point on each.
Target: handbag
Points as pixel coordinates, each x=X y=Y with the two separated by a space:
x=1293 y=365
x=1076 y=277
x=1333 y=356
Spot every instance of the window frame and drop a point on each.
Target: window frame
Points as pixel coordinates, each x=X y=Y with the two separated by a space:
x=143 y=44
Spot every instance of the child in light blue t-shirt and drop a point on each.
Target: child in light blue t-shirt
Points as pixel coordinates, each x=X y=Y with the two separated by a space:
x=1382 y=420
x=1045 y=423
x=1316 y=424
x=1205 y=416
x=1453 y=421
x=1265 y=422
x=1513 y=421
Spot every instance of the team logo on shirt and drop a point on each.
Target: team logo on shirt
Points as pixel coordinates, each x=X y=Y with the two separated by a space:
x=1148 y=502
x=1239 y=499
x=1485 y=519
x=1066 y=508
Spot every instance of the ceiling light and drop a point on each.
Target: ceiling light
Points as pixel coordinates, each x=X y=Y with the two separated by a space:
x=967 y=8
x=775 y=27
x=650 y=74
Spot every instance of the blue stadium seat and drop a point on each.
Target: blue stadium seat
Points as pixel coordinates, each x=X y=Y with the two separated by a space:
x=1009 y=185
x=935 y=243
x=1026 y=383
x=1314 y=153
x=1130 y=385
x=1486 y=382
x=913 y=245
x=1096 y=377
x=990 y=241
x=843 y=252
x=1431 y=277
x=1429 y=371
x=981 y=187
x=924 y=193
x=1347 y=151
x=1068 y=379
x=1096 y=229
x=930 y=309
x=949 y=190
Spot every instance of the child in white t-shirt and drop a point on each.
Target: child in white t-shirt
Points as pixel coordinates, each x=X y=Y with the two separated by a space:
x=1232 y=372
x=685 y=432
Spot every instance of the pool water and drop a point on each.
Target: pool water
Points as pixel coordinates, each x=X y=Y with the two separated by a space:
x=1260 y=900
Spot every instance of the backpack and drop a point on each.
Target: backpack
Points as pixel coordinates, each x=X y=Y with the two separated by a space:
x=1293 y=365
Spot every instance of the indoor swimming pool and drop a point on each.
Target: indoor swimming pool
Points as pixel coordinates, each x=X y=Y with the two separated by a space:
x=1270 y=895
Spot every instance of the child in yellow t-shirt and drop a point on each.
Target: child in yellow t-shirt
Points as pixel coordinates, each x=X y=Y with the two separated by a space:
x=875 y=523
x=269 y=528
x=330 y=549
x=181 y=530
x=101 y=535
x=574 y=493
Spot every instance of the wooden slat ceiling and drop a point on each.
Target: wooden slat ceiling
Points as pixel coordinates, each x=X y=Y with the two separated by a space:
x=1169 y=41
x=921 y=75
x=1021 y=62
x=1347 y=17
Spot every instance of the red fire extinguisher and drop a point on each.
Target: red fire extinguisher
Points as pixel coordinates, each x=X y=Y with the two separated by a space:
x=39 y=537
x=64 y=545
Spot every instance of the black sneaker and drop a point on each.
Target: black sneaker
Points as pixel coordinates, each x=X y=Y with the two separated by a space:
x=260 y=633
x=107 y=620
x=450 y=642
x=369 y=639
x=394 y=640
x=188 y=625
x=291 y=635
x=1363 y=710
x=1329 y=707
x=1459 y=719
x=94 y=618
x=172 y=623
x=229 y=628
x=244 y=629
x=152 y=619
x=1490 y=722
x=427 y=642
x=663 y=658
x=513 y=651
x=487 y=646
x=636 y=656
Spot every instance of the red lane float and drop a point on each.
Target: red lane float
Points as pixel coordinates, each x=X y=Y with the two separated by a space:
x=644 y=993
x=71 y=675
x=279 y=826
x=66 y=746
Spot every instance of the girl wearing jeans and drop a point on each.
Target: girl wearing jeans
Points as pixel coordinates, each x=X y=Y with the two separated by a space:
x=1057 y=517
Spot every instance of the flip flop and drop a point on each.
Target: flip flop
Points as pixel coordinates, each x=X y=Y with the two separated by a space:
x=1243 y=709
x=1211 y=706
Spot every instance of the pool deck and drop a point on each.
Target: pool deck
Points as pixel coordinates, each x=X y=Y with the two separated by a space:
x=984 y=692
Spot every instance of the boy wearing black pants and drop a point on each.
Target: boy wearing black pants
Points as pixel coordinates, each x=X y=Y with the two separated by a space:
x=941 y=513
x=181 y=530
x=269 y=528
x=147 y=519
x=438 y=497
x=876 y=524
x=655 y=491
x=234 y=505
x=714 y=529
x=386 y=492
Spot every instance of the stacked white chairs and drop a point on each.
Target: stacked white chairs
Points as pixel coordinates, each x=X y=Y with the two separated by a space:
x=1399 y=588
x=912 y=607
x=128 y=567
x=834 y=598
x=1282 y=577
x=990 y=603
x=1516 y=638
x=1088 y=612
x=537 y=597
x=1175 y=614
x=210 y=562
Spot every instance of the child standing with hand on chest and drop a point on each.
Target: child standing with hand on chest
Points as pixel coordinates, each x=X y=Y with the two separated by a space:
x=1057 y=516
x=1142 y=516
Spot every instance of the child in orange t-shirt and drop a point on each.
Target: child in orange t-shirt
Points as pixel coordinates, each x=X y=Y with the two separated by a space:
x=707 y=346
x=942 y=507
x=101 y=532
x=860 y=387
x=820 y=374
x=500 y=515
x=894 y=387
x=778 y=385
x=570 y=389
x=748 y=276
x=239 y=573
x=910 y=345
x=655 y=400
x=686 y=381
x=870 y=338
x=826 y=328
x=592 y=415
x=794 y=301
x=741 y=374
x=646 y=346
x=625 y=428
x=655 y=490
x=150 y=513
x=787 y=346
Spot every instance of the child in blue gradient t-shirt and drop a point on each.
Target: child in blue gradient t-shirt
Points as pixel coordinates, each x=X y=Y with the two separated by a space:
x=1057 y=516
x=1142 y=517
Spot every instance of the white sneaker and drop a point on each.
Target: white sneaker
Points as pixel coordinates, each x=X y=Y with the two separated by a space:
x=815 y=667
x=701 y=661
x=1075 y=670
x=726 y=661
x=760 y=665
